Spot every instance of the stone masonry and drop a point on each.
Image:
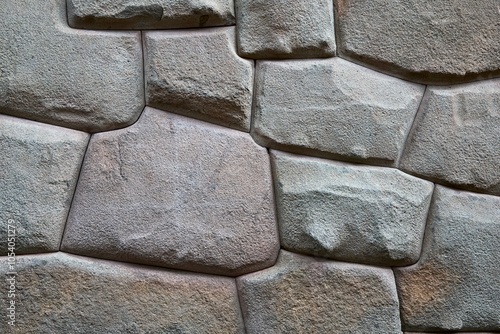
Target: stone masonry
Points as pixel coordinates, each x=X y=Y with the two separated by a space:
x=249 y=166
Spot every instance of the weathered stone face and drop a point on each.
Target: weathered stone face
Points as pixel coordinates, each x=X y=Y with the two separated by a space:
x=39 y=166
x=424 y=41
x=455 y=284
x=456 y=137
x=61 y=293
x=175 y=192
x=199 y=74
x=149 y=14
x=306 y=295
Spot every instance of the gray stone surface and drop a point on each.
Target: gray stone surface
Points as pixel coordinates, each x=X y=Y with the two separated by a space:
x=455 y=286
x=333 y=108
x=39 y=166
x=285 y=29
x=197 y=73
x=149 y=14
x=363 y=214
x=456 y=137
x=306 y=295
x=175 y=192
x=62 y=293
x=90 y=81
x=424 y=41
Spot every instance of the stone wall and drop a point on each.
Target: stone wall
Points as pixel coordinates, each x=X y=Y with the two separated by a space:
x=262 y=166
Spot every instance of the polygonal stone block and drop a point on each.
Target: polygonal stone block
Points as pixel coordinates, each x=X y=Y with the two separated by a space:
x=455 y=286
x=90 y=81
x=456 y=137
x=306 y=295
x=62 y=293
x=175 y=192
x=353 y=213
x=285 y=29
x=333 y=108
x=39 y=166
x=197 y=73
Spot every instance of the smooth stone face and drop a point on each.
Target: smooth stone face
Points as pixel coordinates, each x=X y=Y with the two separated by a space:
x=456 y=137
x=90 y=81
x=455 y=286
x=353 y=213
x=39 y=166
x=175 y=192
x=149 y=14
x=333 y=108
x=62 y=293
x=424 y=41
x=198 y=74
x=285 y=29
x=306 y=295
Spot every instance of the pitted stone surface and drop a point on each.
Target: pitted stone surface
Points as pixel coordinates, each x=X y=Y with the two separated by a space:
x=363 y=214
x=456 y=137
x=62 y=293
x=285 y=29
x=175 y=192
x=149 y=14
x=333 y=108
x=39 y=166
x=455 y=286
x=198 y=74
x=306 y=295
x=429 y=42
x=90 y=81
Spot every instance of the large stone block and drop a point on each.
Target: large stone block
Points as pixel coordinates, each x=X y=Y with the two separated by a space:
x=455 y=286
x=176 y=192
x=149 y=14
x=62 y=293
x=197 y=73
x=90 y=81
x=456 y=137
x=306 y=295
x=363 y=214
x=333 y=108
x=423 y=41
x=285 y=29
x=39 y=167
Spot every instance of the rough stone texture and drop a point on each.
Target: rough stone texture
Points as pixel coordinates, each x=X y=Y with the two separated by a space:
x=285 y=29
x=90 y=81
x=39 y=166
x=306 y=295
x=354 y=213
x=198 y=74
x=149 y=14
x=456 y=137
x=424 y=41
x=61 y=293
x=176 y=192
x=455 y=286
x=333 y=108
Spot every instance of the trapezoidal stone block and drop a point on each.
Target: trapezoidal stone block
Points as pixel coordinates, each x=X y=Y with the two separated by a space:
x=455 y=286
x=333 y=108
x=456 y=137
x=90 y=81
x=149 y=14
x=431 y=42
x=197 y=73
x=285 y=29
x=39 y=166
x=364 y=214
x=63 y=293
x=176 y=192
x=306 y=295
